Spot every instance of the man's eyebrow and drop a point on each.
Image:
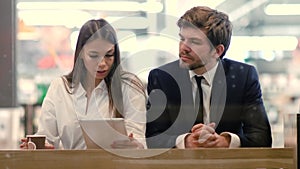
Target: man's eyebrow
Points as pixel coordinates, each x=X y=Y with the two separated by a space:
x=190 y=37
x=193 y=38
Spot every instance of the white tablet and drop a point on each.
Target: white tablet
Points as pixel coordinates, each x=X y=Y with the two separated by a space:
x=101 y=133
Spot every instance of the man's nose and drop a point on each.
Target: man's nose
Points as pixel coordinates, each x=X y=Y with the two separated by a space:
x=184 y=46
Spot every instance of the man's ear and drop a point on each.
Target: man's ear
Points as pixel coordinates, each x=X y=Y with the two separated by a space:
x=219 y=50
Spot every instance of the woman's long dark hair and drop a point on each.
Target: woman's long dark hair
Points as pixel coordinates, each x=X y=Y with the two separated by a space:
x=91 y=30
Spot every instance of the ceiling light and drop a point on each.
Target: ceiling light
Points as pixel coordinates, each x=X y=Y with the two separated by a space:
x=244 y=9
x=283 y=9
x=68 y=18
x=263 y=43
x=152 y=7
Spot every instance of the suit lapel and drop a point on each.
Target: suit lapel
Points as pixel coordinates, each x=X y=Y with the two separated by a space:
x=186 y=112
x=218 y=95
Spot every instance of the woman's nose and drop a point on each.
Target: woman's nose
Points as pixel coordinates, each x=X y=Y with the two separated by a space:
x=102 y=62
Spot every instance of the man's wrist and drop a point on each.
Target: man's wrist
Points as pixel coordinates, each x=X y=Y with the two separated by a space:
x=186 y=140
x=180 y=141
x=227 y=138
x=234 y=140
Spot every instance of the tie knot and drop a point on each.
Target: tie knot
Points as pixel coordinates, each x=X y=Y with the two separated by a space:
x=198 y=79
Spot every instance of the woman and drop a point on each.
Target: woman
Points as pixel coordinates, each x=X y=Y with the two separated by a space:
x=96 y=88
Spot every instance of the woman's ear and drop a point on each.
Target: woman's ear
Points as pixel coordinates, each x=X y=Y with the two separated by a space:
x=81 y=53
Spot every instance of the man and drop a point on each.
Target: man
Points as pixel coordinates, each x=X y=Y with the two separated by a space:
x=229 y=112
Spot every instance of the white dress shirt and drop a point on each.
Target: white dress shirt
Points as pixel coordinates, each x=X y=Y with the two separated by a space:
x=206 y=85
x=61 y=111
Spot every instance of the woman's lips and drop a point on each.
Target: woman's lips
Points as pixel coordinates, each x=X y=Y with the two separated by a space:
x=101 y=71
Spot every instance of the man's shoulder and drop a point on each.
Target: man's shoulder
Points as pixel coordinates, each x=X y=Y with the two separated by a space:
x=170 y=65
x=171 y=69
x=233 y=64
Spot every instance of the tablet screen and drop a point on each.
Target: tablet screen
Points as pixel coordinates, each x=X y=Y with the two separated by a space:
x=101 y=133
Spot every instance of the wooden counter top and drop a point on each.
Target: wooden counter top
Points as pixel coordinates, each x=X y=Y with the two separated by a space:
x=241 y=158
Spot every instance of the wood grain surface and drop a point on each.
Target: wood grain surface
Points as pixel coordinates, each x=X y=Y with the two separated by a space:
x=240 y=158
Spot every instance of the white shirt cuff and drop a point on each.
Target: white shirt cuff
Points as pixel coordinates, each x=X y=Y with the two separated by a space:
x=180 y=143
x=235 y=141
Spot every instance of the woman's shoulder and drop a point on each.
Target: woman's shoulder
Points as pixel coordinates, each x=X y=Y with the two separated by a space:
x=58 y=83
x=126 y=74
x=131 y=80
x=56 y=89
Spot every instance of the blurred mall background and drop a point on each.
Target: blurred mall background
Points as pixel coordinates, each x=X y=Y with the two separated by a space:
x=38 y=39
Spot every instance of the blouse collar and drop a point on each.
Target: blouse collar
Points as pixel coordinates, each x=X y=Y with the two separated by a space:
x=80 y=92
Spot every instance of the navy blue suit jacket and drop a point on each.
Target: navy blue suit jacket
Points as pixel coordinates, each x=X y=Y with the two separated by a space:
x=236 y=105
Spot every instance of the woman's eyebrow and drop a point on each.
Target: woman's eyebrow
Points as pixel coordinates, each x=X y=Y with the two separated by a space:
x=111 y=50
x=92 y=51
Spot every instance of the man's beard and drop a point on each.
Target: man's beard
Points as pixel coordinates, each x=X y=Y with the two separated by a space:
x=192 y=66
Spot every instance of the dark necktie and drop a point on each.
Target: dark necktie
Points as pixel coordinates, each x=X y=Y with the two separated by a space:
x=199 y=100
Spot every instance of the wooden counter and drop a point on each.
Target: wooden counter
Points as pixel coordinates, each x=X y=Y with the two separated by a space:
x=242 y=158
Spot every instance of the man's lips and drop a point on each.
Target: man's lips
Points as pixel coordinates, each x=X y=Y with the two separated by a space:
x=185 y=58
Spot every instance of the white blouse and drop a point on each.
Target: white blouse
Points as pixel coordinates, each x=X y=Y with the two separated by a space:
x=61 y=111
